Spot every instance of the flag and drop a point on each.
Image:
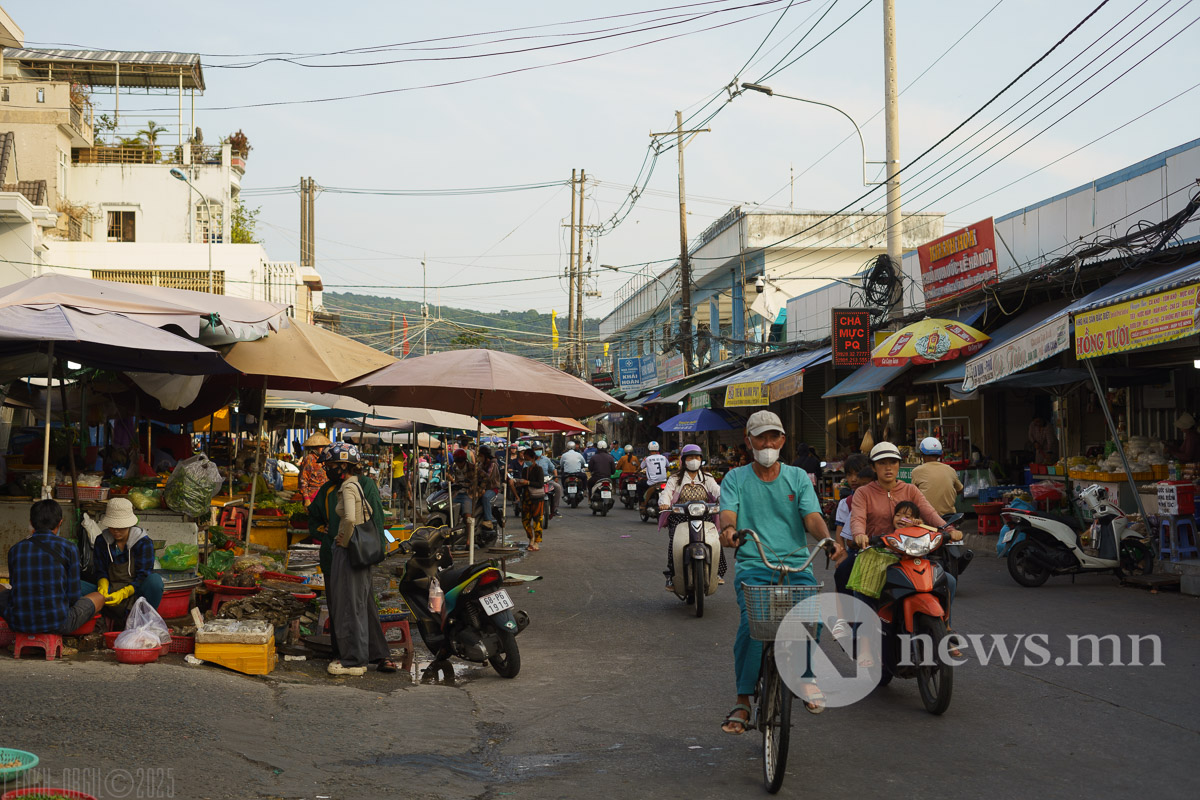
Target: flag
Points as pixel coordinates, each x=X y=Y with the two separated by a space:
x=606 y=349
x=553 y=331
x=405 y=319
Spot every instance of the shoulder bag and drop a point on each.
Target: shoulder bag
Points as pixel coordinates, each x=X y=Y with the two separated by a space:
x=366 y=545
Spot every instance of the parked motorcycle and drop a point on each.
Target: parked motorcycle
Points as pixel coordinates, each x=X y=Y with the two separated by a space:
x=697 y=551
x=629 y=489
x=438 y=508
x=652 y=503
x=601 y=499
x=916 y=601
x=1049 y=544
x=574 y=488
x=476 y=620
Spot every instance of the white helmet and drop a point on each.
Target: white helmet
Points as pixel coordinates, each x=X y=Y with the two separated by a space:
x=652 y=447
x=930 y=446
x=591 y=444
x=570 y=445
x=601 y=445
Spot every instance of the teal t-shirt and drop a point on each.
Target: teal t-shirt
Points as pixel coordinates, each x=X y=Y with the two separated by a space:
x=775 y=511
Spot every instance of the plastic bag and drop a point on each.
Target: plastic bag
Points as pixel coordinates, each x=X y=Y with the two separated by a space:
x=143 y=499
x=193 y=484
x=144 y=629
x=256 y=565
x=1046 y=490
x=179 y=557
x=218 y=562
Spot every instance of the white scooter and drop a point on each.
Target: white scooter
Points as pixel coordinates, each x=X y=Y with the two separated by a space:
x=1049 y=544
x=697 y=552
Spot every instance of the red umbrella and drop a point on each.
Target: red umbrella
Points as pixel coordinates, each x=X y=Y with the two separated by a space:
x=532 y=422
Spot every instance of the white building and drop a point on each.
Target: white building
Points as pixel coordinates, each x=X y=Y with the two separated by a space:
x=151 y=206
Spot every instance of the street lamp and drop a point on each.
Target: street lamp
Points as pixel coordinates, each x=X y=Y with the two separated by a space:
x=769 y=92
x=178 y=175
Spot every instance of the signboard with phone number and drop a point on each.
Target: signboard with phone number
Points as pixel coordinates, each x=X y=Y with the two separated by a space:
x=851 y=335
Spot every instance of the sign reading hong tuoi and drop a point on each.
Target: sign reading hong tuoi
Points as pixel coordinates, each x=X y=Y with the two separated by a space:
x=958 y=262
x=851 y=335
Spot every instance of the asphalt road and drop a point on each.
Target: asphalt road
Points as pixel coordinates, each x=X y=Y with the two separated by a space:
x=621 y=694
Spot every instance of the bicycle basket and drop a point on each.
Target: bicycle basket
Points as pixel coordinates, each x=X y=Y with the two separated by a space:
x=766 y=606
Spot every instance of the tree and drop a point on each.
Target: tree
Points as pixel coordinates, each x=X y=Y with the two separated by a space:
x=243 y=222
x=471 y=339
x=150 y=134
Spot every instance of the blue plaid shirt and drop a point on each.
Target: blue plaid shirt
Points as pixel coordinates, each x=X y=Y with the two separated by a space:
x=42 y=590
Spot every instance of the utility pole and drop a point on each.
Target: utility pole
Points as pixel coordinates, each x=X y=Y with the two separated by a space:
x=393 y=348
x=424 y=313
x=571 y=283
x=685 y=267
x=303 y=222
x=891 y=118
x=580 y=350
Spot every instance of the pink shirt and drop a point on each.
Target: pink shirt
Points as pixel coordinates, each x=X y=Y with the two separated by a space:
x=873 y=507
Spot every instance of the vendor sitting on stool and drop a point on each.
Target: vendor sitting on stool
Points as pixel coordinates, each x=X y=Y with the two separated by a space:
x=44 y=570
x=124 y=560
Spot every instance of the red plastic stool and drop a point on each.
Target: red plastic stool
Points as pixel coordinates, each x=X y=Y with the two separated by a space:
x=990 y=523
x=404 y=641
x=232 y=521
x=220 y=598
x=50 y=643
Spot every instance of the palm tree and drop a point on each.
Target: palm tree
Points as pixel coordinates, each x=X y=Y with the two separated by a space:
x=150 y=134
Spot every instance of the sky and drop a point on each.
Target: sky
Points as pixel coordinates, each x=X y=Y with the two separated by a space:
x=508 y=250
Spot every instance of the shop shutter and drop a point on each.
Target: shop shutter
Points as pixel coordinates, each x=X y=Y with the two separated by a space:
x=812 y=409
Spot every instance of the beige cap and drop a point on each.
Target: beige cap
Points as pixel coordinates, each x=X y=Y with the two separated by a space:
x=317 y=440
x=762 y=421
x=118 y=514
x=884 y=450
x=1185 y=421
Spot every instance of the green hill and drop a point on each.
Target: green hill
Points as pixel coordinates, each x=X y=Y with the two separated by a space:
x=379 y=322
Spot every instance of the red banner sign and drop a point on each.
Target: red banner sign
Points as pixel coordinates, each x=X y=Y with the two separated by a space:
x=958 y=262
x=851 y=337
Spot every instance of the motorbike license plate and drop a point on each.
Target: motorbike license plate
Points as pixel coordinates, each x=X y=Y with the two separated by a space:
x=1007 y=536
x=631 y=487
x=571 y=489
x=496 y=602
x=606 y=495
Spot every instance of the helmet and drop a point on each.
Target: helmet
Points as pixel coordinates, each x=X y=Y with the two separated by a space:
x=688 y=449
x=460 y=455
x=930 y=446
x=570 y=445
x=652 y=447
x=601 y=445
x=591 y=444
x=341 y=453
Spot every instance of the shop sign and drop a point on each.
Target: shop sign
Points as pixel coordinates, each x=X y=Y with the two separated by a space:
x=649 y=370
x=602 y=381
x=1143 y=322
x=673 y=368
x=786 y=387
x=697 y=400
x=958 y=262
x=629 y=372
x=1031 y=347
x=746 y=394
x=851 y=334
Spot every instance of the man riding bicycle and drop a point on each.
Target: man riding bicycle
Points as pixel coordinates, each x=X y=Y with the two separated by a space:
x=779 y=503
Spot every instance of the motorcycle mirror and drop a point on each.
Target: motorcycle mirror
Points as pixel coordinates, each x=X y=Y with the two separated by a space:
x=954 y=519
x=824 y=464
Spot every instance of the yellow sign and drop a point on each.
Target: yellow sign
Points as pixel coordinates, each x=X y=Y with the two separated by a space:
x=786 y=387
x=1143 y=322
x=746 y=394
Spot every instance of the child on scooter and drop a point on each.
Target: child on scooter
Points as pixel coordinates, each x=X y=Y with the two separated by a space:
x=906 y=515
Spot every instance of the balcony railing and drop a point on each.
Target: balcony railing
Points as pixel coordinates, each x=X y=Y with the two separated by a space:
x=81 y=117
x=144 y=154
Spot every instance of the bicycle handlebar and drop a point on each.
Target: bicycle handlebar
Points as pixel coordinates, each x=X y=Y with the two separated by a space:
x=740 y=539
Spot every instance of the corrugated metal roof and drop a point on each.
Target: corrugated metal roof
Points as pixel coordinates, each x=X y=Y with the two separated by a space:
x=99 y=67
x=1148 y=285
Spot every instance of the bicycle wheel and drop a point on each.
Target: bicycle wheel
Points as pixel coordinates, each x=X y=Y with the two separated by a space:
x=775 y=720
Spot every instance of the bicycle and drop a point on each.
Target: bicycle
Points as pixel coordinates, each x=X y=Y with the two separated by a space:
x=766 y=607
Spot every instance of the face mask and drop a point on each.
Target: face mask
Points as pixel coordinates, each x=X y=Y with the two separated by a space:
x=692 y=464
x=537 y=452
x=767 y=456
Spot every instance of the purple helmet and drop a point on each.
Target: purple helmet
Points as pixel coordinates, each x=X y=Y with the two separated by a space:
x=688 y=449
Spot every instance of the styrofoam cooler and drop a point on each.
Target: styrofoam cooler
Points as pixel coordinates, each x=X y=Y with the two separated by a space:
x=1176 y=498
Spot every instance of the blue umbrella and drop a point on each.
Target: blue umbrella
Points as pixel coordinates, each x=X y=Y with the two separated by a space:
x=702 y=419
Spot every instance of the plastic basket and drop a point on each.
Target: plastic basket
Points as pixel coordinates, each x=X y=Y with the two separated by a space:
x=766 y=606
x=28 y=761
x=63 y=492
x=7 y=637
x=182 y=644
x=138 y=656
x=38 y=791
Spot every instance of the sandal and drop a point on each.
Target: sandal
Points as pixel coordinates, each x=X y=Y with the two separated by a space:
x=533 y=547
x=814 y=700
x=387 y=665
x=734 y=719
x=840 y=630
x=954 y=651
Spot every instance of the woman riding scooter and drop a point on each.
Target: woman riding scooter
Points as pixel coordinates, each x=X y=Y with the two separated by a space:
x=689 y=484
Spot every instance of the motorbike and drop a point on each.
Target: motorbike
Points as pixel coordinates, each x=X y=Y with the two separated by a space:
x=574 y=488
x=954 y=557
x=915 y=604
x=476 y=620
x=1045 y=544
x=629 y=489
x=697 y=551
x=601 y=499
x=438 y=510
x=652 y=503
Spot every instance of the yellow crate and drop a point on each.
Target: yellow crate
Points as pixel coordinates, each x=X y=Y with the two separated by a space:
x=249 y=659
x=272 y=537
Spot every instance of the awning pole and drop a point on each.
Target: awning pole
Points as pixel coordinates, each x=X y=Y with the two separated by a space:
x=262 y=409
x=1116 y=438
x=47 y=489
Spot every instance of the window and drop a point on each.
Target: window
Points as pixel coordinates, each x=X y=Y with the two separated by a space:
x=4 y=95
x=41 y=95
x=121 y=226
x=202 y=226
x=63 y=161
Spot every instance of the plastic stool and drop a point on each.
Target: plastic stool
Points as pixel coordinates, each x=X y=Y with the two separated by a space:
x=1171 y=539
x=50 y=643
x=232 y=521
x=405 y=641
x=219 y=598
x=990 y=524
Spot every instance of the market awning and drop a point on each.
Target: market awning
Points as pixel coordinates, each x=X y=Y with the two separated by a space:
x=1032 y=334
x=1156 y=311
x=771 y=380
x=871 y=378
x=679 y=390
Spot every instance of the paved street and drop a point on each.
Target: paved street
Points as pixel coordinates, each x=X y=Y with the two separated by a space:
x=621 y=694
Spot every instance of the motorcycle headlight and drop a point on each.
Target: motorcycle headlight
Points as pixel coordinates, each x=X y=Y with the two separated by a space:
x=697 y=509
x=917 y=545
